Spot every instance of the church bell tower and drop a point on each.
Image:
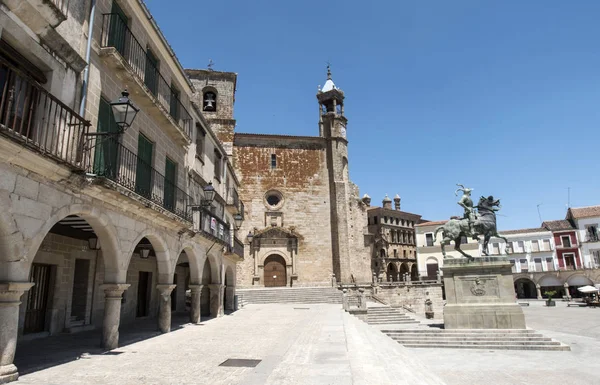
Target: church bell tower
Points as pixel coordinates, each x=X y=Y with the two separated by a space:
x=332 y=126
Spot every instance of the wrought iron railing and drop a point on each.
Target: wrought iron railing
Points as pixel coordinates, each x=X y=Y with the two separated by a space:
x=238 y=247
x=106 y=157
x=208 y=223
x=32 y=116
x=116 y=34
x=592 y=238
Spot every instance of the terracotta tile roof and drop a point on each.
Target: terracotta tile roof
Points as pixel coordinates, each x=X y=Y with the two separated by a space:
x=432 y=223
x=584 y=212
x=524 y=231
x=562 y=224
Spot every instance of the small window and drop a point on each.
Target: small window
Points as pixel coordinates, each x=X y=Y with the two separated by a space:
x=375 y=220
x=429 y=239
x=566 y=240
x=520 y=247
x=218 y=165
x=384 y=219
x=404 y=253
x=535 y=246
x=209 y=101
x=395 y=253
x=509 y=246
x=495 y=248
x=273 y=199
x=273 y=161
x=200 y=138
x=547 y=246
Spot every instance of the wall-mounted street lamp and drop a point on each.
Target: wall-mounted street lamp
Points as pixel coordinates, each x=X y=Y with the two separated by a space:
x=124 y=111
x=250 y=237
x=237 y=220
x=93 y=243
x=208 y=195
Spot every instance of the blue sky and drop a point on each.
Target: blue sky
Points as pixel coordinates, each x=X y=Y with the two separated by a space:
x=502 y=96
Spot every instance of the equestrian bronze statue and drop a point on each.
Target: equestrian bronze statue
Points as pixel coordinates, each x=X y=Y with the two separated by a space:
x=477 y=220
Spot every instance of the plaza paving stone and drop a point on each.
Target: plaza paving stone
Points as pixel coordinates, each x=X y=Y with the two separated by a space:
x=324 y=345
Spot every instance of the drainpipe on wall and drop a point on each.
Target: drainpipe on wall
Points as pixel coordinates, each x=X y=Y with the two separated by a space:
x=88 y=52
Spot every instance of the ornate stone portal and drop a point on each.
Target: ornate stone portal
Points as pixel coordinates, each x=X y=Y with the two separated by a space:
x=480 y=295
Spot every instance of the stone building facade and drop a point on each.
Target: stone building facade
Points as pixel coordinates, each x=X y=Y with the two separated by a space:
x=307 y=223
x=394 y=256
x=103 y=225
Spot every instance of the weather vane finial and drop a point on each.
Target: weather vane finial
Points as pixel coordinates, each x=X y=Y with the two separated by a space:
x=210 y=64
x=328 y=70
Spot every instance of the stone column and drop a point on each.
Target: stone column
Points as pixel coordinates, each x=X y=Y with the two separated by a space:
x=567 y=294
x=164 y=307
x=195 y=306
x=345 y=299
x=229 y=294
x=538 y=291
x=10 y=299
x=216 y=299
x=112 y=314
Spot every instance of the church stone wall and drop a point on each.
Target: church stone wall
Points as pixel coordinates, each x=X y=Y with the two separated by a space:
x=301 y=177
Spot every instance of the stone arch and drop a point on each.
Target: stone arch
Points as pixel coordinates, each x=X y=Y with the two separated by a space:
x=404 y=269
x=229 y=276
x=194 y=260
x=344 y=168
x=274 y=271
x=414 y=272
x=525 y=288
x=550 y=280
x=103 y=227
x=391 y=272
x=214 y=267
x=161 y=249
x=579 y=280
x=209 y=99
x=382 y=253
x=267 y=253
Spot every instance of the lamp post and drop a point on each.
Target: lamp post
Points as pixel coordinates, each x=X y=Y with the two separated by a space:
x=237 y=220
x=250 y=237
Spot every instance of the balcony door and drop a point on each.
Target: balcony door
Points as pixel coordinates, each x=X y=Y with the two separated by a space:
x=151 y=72
x=170 y=182
x=107 y=147
x=118 y=29
x=143 y=173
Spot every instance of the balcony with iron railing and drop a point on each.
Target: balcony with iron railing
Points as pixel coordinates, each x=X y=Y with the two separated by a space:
x=592 y=238
x=120 y=49
x=212 y=226
x=106 y=158
x=233 y=201
x=34 y=118
x=237 y=248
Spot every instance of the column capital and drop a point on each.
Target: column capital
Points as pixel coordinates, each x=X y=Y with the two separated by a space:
x=11 y=292
x=165 y=290
x=196 y=288
x=114 y=290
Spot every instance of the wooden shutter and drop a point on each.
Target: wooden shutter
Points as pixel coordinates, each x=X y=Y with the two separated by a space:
x=170 y=182
x=143 y=177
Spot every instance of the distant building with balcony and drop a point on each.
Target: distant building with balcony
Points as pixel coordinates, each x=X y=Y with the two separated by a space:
x=587 y=222
x=104 y=224
x=567 y=244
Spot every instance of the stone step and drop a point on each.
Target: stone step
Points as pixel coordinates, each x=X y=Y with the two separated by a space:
x=468 y=343
x=463 y=331
x=494 y=347
x=392 y=322
x=406 y=339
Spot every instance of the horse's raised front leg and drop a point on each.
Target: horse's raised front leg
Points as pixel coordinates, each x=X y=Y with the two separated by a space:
x=505 y=242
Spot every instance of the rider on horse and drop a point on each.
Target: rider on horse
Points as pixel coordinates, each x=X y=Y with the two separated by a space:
x=467 y=204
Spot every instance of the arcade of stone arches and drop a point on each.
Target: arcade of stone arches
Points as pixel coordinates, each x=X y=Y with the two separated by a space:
x=565 y=283
x=81 y=269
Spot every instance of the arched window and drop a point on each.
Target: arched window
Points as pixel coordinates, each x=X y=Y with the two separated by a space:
x=209 y=101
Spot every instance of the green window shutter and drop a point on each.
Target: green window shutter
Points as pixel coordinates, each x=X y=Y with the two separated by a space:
x=143 y=175
x=170 y=183
x=151 y=72
x=174 y=105
x=106 y=155
x=118 y=29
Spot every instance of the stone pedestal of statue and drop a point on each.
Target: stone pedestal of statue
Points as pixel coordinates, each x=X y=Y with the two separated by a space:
x=480 y=295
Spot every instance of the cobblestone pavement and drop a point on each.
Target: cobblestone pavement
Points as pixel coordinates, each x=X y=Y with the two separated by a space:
x=320 y=344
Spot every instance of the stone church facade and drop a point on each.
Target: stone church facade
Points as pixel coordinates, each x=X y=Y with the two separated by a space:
x=306 y=222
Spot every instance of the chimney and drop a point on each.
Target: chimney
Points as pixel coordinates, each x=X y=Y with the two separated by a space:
x=397 y=202
x=387 y=202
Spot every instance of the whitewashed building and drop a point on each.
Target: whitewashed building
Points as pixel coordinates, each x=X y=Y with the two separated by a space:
x=587 y=222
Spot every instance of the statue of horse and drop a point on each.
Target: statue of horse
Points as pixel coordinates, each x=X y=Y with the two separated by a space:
x=485 y=225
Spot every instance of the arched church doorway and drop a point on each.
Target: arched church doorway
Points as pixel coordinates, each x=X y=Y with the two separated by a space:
x=274 y=271
x=404 y=270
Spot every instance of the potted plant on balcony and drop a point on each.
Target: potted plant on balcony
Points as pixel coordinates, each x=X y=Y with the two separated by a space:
x=550 y=294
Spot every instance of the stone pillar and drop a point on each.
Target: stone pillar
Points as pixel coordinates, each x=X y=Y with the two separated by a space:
x=538 y=291
x=362 y=299
x=164 y=307
x=345 y=299
x=229 y=293
x=112 y=314
x=10 y=299
x=196 y=291
x=567 y=294
x=216 y=299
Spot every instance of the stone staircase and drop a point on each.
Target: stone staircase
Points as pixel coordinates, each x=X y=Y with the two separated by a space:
x=509 y=339
x=381 y=315
x=289 y=295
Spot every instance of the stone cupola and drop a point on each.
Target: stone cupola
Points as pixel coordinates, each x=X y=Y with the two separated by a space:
x=366 y=200
x=397 y=202
x=387 y=202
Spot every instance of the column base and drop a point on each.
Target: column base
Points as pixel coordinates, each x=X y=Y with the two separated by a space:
x=8 y=373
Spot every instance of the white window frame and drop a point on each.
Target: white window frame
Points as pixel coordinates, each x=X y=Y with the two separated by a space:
x=562 y=241
x=432 y=242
